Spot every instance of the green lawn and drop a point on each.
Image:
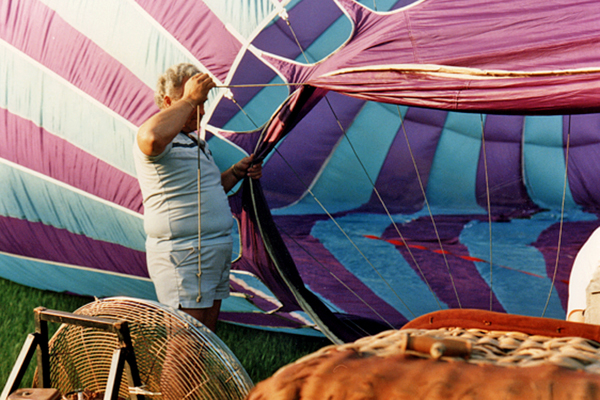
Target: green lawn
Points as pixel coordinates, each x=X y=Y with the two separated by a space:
x=260 y=352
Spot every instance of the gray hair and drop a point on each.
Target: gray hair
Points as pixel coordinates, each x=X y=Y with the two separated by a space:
x=169 y=83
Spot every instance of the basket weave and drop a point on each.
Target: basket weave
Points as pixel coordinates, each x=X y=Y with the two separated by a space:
x=487 y=347
x=448 y=363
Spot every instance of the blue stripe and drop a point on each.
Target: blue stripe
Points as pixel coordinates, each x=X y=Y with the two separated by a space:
x=61 y=278
x=544 y=162
x=30 y=197
x=407 y=284
x=453 y=176
x=343 y=184
x=518 y=292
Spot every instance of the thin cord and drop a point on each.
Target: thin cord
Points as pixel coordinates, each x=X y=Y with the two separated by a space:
x=287 y=21
x=341 y=229
x=489 y=208
x=382 y=202
x=437 y=234
x=199 y=208
x=340 y=281
x=396 y=226
x=346 y=235
x=255 y=85
x=562 y=214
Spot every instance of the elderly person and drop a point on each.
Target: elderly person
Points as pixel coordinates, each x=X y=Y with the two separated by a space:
x=166 y=158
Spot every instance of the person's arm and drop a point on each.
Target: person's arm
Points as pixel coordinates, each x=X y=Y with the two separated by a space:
x=159 y=130
x=239 y=170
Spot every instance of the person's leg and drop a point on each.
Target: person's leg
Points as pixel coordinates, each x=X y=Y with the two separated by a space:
x=208 y=316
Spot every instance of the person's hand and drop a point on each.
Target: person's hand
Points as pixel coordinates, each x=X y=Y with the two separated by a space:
x=245 y=167
x=197 y=87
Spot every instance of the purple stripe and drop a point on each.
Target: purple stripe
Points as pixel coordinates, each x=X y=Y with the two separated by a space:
x=397 y=182
x=194 y=25
x=278 y=38
x=316 y=136
x=506 y=35
x=32 y=147
x=473 y=291
x=250 y=70
x=510 y=95
x=574 y=235
x=503 y=136
x=44 y=36
x=324 y=276
x=43 y=242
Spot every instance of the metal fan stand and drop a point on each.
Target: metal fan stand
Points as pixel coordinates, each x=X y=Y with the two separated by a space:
x=123 y=359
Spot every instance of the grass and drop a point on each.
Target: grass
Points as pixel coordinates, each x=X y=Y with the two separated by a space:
x=260 y=352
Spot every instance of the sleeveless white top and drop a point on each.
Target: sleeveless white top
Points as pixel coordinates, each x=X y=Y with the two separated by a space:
x=170 y=192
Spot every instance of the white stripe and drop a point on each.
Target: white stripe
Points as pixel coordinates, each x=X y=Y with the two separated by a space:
x=307 y=322
x=137 y=34
x=144 y=46
x=254 y=290
x=39 y=95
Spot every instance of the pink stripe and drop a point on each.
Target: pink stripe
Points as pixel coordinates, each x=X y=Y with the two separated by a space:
x=43 y=35
x=26 y=144
x=199 y=30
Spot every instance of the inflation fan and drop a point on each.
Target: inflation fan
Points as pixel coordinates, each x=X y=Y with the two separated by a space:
x=129 y=348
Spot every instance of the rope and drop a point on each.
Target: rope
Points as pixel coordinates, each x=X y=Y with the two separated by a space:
x=255 y=85
x=309 y=191
x=562 y=215
x=418 y=174
x=341 y=282
x=332 y=218
x=489 y=209
x=442 y=251
x=199 y=298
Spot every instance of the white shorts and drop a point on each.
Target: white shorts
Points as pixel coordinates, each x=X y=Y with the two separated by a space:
x=176 y=279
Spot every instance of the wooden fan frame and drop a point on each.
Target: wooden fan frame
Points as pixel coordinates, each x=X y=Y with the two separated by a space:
x=123 y=359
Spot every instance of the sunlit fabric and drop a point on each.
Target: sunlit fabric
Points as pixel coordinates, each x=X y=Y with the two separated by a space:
x=397 y=136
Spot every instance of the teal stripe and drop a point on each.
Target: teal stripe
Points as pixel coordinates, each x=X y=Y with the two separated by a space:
x=518 y=292
x=453 y=176
x=47 y=100
x=387 y=260
x=329 y=41
x=36 y=199
x=61 y=278
x=343 y=184
x=544 y=162
x=87 y=282
x=259 y=109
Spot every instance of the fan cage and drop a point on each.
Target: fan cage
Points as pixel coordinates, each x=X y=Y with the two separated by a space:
x=177 y=357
